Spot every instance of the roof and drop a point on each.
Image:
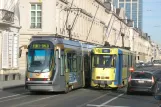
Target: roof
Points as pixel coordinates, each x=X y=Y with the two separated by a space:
x=56 y=40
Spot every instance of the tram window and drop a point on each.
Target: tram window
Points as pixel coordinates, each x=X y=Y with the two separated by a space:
x=132 y=59
x=86 y=63
x=124 y=60
x=113 y=61
x=79 y=61
x=102 y=61
x=74 y=62
x=69 y=61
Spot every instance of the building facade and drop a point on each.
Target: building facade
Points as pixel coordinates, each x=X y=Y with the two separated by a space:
x=9 y=40
x=133 y=10
x=93 y=21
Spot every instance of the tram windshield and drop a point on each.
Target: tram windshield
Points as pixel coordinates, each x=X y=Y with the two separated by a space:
x=104 y=61
x=39 y=60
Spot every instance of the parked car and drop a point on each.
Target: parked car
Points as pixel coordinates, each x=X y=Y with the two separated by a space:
x=144 y=79
x=141 y=81
x=157 y=62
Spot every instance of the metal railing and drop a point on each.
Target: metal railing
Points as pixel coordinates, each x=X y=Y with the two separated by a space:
x=6 y=16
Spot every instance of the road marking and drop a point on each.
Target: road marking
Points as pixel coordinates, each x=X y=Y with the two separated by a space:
x=33 y=101
x=13 y=99
x=103 y=104
x=112 y=99
x=13 y=95
x=93 y=105
x=93 y=100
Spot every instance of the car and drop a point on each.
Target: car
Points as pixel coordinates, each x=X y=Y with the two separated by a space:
x=157 y=62
x=144 y=79
x=141 y=81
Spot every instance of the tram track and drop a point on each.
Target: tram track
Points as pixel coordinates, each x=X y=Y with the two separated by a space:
x=27 y=98
x=76 y=98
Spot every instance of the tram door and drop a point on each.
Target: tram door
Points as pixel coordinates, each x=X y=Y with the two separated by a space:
x=61 y=66
x=120 y=69
x=79 y=70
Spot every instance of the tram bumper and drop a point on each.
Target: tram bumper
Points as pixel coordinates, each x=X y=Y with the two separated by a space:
x=42 y=86
x=102 y=82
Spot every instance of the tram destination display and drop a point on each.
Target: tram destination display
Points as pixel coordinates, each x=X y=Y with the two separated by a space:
x=40 y=46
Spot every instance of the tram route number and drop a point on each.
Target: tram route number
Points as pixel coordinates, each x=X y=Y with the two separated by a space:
x=42 y=45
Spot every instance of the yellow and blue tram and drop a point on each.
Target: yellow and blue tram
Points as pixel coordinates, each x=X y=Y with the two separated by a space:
x=56 y=64
x=111 y=67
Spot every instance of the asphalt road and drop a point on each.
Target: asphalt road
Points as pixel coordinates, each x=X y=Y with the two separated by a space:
x=77 y=98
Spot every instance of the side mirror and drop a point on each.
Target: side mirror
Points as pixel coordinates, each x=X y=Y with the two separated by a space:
x=20 y=49
x=157 y=97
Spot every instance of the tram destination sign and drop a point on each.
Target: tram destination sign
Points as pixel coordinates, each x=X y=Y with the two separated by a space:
x=106 y=50
x=40 y=46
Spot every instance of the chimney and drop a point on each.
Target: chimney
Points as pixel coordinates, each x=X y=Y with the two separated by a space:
x=108 y=5
x=130 y=22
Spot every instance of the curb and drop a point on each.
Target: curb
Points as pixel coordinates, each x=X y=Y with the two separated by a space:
x=12 y=87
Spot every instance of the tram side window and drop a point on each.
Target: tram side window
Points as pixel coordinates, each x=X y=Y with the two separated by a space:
x=95 y=61
x=62 y=64
x=124 y=60
x=129 y=61
x=132 y=60
x=86 y=64
x=69 y=61
x=79 y=63
x=74 y=62
x=113 y=64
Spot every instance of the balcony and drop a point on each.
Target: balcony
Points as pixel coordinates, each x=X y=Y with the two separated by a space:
x=6 y=17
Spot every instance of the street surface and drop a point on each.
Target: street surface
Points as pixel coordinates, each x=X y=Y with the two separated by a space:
x=19 y=97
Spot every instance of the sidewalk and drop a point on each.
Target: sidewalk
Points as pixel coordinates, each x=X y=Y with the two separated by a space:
x=11 y=84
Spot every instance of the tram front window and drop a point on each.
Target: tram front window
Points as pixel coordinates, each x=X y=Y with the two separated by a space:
x=103 y=61
x=39 y=60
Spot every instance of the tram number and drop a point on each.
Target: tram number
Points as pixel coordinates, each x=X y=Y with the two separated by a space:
x=106 y=51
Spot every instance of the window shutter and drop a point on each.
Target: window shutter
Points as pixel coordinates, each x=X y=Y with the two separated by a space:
x=15 y=50
x=5 y=57
x=10 y=47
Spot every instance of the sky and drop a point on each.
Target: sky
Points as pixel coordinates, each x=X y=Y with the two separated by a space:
x=152 y=19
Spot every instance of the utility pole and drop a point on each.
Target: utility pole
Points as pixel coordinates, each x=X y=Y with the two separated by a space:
x=69 y=29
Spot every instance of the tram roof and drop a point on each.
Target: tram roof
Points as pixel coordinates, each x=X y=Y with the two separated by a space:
x=57 y=40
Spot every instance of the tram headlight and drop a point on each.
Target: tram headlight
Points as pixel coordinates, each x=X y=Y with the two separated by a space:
x=48 y=79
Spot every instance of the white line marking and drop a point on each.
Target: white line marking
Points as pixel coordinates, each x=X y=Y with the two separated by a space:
x=93 y=100
x=33 y=101
x=13 y=95
x=13 y=99
x=104 y=104
x=111 y=100
x=92 y=105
